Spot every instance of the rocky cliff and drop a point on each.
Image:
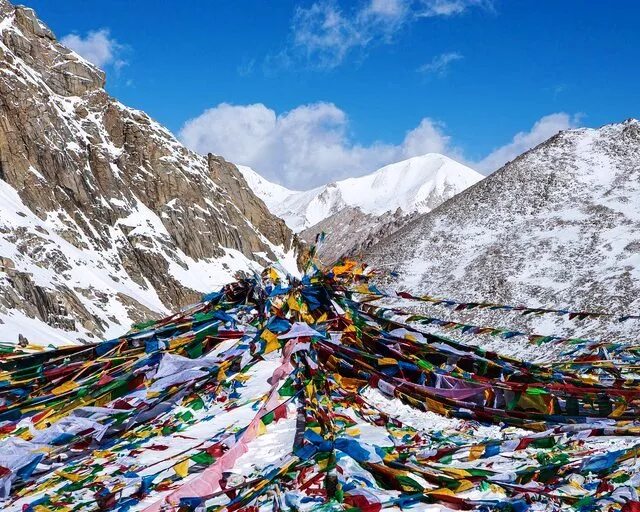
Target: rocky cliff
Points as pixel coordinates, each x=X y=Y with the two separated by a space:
x=105 y=217
x=350 y=232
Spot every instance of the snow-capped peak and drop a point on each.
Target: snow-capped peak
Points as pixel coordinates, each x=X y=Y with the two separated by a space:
x=269 y=192
x=417 y=184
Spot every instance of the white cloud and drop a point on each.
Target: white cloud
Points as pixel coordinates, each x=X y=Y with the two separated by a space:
x=544 y=128
x=325 y=34
x=427 y=137
x=304 y=147
x=310 y=146
x=432 y=8
x=98 y=47
x=439 y=65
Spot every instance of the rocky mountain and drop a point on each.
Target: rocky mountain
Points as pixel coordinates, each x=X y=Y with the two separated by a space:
x=558 y=226
x=358 y=211
x=351 y=231
x=105 y=218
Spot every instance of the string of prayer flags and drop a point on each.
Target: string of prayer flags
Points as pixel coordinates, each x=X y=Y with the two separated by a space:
x=277 y=393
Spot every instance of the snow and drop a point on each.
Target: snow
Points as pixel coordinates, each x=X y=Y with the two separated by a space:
x=270 y=193
x=101 y=270
x=407 y=185
x=558 y=227
x=89 y=269
x=418 y=184
x=74 y=256
x=429 y=421
x=14 y=322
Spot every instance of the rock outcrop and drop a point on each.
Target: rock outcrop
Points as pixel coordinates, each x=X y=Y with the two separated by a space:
x=106 y=217
x=351 y=232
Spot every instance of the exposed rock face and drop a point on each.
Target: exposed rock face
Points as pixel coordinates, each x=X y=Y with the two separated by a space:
x=106 y=217
x=559 y=226
x=350 y=232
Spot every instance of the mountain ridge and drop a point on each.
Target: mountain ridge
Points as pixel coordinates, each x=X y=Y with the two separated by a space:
x=107 y=218
x=413 y=185
x=355 y=213
x=558 y=225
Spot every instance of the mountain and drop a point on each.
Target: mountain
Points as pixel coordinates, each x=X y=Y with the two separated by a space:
x=414 y=185
x=357 y=211
x=105 y=218
x=558 y=226
x=350 y=231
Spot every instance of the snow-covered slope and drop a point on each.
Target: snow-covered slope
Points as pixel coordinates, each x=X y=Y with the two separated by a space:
x=558 y=226
x=105 y=218
x=271 y=193
x=418 y=184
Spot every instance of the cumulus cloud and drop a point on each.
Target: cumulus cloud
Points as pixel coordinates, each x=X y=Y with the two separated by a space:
x=304 y=147
x=544 y=128
x=98 y=47
x=439 y=65
x=310 y=145
x=325 y=34
x=427 y=137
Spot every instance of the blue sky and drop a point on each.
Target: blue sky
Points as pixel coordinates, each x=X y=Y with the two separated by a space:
x=323 y=89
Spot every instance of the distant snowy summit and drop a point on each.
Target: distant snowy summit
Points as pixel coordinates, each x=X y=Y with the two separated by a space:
x=415 y=185
x=356 y=213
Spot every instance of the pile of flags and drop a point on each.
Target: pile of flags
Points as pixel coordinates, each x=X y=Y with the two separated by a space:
x=279 y=393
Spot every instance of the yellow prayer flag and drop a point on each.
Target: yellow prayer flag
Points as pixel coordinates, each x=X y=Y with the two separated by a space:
x=341 y=269
x=457 y=472
x=272 y=341
x=353 y=431
x=620 y=409
x=464 y=485
x=64 y=388
x=47 y=484
x=575 y=484
x=442 y=491
x=69 y=476
x=497 y=489
x=476 y=451
x=182 y=468
x=293 y=303
x=436 y=407
x=309 y=389
x=103 y=400
x=42 y=508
